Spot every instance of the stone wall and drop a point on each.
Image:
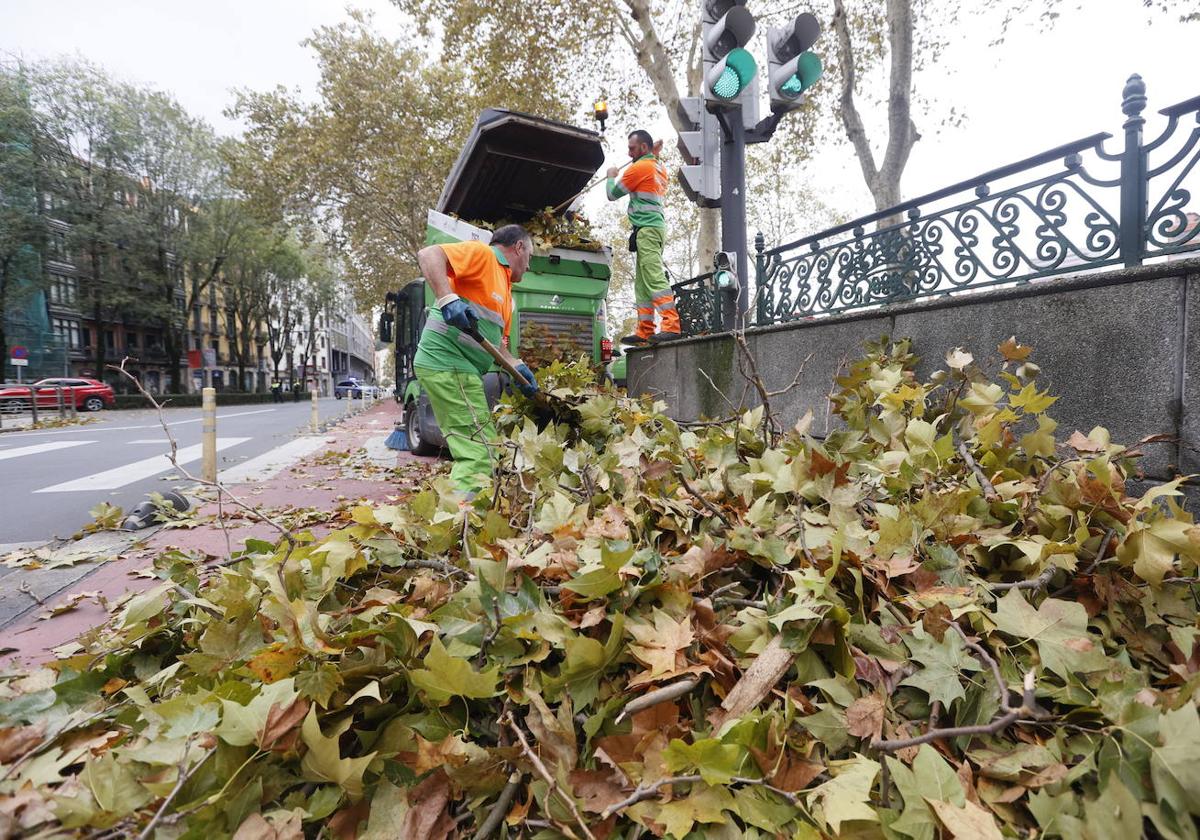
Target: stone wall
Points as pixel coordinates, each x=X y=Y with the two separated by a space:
x=1120 y=348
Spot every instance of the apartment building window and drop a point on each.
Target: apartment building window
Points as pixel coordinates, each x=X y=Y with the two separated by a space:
x=196 y=318
x=153 y=341
x=212 y=321
x=64 y=290
x=110 y=340
x=131 y=340
x=58 y=246
x=69 y=332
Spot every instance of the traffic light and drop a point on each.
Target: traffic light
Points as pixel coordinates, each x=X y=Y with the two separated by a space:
x=791 y=68
x=727 y=27
x=700 y=176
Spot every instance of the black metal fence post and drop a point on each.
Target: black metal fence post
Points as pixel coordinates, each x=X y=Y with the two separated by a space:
x=1133 y=174
x=762 y=289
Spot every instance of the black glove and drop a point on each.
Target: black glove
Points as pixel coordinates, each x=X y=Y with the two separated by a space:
x=532 y=388
x=457 y=313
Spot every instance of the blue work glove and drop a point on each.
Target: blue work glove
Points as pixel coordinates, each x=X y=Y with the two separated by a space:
x=532 y=388
x=457 y=313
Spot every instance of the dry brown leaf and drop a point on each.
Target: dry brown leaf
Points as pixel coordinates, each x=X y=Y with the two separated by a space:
x=345 y=823
x=282 y=720
x=429 y=818
x=936 y=620
x=864 y=717
x=968 y=823
x=1013 y=351
x=597 y=790
x=15 y=741
x=1083 y=444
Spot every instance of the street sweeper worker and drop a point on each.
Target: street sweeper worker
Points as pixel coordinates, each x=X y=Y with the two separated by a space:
x=472 y=288
x=645 y=182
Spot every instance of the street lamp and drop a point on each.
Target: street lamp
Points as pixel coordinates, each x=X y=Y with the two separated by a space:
x=600 y=112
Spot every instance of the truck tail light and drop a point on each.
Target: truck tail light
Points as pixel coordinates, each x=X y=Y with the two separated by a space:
x=605 y=350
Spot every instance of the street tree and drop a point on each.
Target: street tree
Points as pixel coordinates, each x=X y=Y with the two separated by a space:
x=182 y=205
x=22 y=232
x=367 y=159
x=317 y=293
x=90 y=132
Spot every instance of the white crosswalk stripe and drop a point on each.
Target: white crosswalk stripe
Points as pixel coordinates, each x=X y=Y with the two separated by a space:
x=138 y=470
x=35 y=448
x=271 y=463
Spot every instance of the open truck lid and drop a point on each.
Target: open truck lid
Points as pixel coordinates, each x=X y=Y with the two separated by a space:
x=514 y=165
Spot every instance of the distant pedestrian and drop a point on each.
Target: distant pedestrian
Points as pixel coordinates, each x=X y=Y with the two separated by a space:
x=277 y=391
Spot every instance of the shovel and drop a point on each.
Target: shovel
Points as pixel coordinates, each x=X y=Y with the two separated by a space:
x=547 y=407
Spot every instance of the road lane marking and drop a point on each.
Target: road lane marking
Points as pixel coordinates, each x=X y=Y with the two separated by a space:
x=146 y=426
x=35 y=448
x=270 y=464
x=136 y=471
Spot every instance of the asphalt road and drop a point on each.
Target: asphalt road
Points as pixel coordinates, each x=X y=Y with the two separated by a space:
x=49 y=480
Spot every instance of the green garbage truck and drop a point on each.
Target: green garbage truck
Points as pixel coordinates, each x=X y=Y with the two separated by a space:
x=512 y=167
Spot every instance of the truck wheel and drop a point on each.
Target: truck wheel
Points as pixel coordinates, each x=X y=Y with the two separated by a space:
x=417 y=444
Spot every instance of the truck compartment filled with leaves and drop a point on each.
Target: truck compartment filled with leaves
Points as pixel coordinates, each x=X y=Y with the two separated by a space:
x=942 y=620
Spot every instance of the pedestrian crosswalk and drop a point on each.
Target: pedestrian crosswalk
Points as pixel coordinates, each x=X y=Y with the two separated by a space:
x=36 y=448
x=136 y=471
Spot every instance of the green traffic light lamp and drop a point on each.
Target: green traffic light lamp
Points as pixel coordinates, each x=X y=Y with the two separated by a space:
x=730 y=76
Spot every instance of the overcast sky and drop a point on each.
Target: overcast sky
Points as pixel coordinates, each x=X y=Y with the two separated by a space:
x=1035 y=91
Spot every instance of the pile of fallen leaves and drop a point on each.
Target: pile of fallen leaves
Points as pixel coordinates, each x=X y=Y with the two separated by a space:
x=548 y=230
x=936 y=622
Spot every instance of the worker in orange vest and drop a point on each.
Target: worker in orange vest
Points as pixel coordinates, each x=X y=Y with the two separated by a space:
x=645 y=182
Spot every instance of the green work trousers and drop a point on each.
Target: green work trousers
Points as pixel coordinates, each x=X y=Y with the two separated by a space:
x=651 y=291
x=461 y=409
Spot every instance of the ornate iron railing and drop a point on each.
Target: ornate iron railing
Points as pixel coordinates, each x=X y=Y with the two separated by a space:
x=1073 y=208
x=700 y=305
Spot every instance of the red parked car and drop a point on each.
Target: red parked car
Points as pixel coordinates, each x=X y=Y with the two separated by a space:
x=89 y=394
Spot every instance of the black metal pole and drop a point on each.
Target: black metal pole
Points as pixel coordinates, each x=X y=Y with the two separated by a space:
x=1133 y=173
x=733 y=207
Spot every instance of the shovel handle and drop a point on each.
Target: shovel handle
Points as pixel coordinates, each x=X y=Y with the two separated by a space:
x=588 y=187
x=500 y=358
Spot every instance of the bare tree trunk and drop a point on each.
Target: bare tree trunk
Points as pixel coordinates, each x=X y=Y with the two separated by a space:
x=883 y=180
x=710 y=237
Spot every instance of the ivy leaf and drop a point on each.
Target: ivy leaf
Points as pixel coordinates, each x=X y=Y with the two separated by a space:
x=1059 y=628
x=943 y=664
x=445 y=676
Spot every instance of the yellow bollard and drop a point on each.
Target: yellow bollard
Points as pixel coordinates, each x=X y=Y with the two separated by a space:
x=208 y=435
x=316 y=415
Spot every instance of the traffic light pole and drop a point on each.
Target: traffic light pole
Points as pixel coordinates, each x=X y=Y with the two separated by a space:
x=733 y=207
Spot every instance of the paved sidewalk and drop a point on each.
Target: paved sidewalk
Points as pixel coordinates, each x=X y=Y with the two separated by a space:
x=308 y=480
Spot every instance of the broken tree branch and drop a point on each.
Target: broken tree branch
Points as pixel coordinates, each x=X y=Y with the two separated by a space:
x=546 y=775
x=659 y=695
x=1010 y=716
x=989 y=492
